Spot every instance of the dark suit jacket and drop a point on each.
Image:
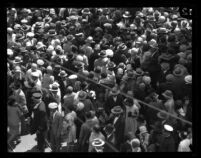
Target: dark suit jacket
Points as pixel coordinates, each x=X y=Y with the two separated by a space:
x=62 y=87
x=39 y=121
x=110 y=103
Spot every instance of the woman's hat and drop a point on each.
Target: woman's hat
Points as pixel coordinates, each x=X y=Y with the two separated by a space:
x=188 y=79
x=54 y=87
x=17 y=60
x=82 y=95
x=53 y=105
x=117 y=110
x=63 y=73
x=98 y=142
x=168 y=94
x=126 y=14
x=178 y=72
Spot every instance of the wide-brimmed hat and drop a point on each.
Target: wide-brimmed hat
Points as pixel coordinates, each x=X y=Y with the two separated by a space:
x=53 y=105
x=126 y=14
x=117 y=110
x=188 y=79
x=89 y=40
x=162 y=115
x=98 y=142
x=168 y=94
x=86 y=11
x=139 y=72
x=40 y=62
x=178 y=72
x=153 y=43
x=51 y=32
x=38 y=25
x=82 y=95
x=114 y=91
x=63 y=74
x=54 y=87
x=17 y=60
x=30 y=34
x=40 y=45
x=73 y=77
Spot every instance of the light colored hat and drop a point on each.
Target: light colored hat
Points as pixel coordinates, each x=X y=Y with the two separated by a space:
x=109 y=53
x=126 y=14
x=24 y=21
x=30 y=34
x=188 y=79
x=72 y=77
x=107 y=25
x=153 y=43
x=89 y=40
x=135 y=142
x=49 y=68
x=17 y=60
x=117 y=110
x=161 y=19
x=80 y=106
x=143 y=129
x=146 y=79
x=9 y=29
x=35 y=74
x=28 y=44
x=168 y=128
x=40 y=45
x=9 y=52
x=17 y=69
x=98 y=142
x=40 y=62
x=53 y=105
x=63 y=74
x=79 y=58
x=54 y=86
x=168 y=94
x=50 y=48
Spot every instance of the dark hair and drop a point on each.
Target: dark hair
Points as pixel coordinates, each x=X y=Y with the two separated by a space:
x=103 y=75
x=97 y=128
x=11 y=100
x=88 y=115
x=17 y=85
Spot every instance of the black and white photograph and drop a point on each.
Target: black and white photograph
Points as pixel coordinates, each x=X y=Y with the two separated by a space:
x=110 y=79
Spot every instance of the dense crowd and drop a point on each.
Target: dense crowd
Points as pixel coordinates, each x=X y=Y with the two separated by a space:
x=92 y=79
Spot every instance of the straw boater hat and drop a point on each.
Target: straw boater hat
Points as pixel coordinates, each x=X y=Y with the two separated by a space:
x=117 y=110
x=53 y=105
x=82 y=95
x=153 y=43
x=54 y=87
x=40 y=45
x=178 y=72
x=17 y=60
x=98 y=142
x=143 y=129
x=30 y=34
x=62 y=74
x=168 y=128
x=72 y=77
x=40 y=62
x=89 y=40
x=167 y=94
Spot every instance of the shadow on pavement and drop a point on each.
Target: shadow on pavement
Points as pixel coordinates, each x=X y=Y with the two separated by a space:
x=34 y=149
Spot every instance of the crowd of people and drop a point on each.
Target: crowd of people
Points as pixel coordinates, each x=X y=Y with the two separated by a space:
x=100 y=79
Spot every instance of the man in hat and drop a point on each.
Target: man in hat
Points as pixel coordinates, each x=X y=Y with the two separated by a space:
x=167 y=142
x=30 y=38
x=98 y=145
x=113 y=100
x=87 y=47
x=39 y=121
x=55 y=127
x=102 y=60
x=34 y=68
x=118 y=120
x=55 y=94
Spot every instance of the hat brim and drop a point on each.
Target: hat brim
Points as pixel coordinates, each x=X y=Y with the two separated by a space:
x=86 y=13
x=14 y=62
x=178 y=75
x=54 y=90
x=98 y=145
x=83 y=98
x=116 y=112
x=51 y=34
x=126 y=16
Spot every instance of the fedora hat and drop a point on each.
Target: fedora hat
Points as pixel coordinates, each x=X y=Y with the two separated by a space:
x=40 y=62
x=162 y=115
x=178 y=72
x=111 y=65
x=53 y=105
x=167 y=94
x=17 y=60
x=143 y=129
x=117 y=110
x=114 y=91
x=162 y=30
x=70 y=38
x=38 y=25
x=139 y=72
x=82 y=95
x=52 y=32
x=62 y=74
x=72 y=77
x=98 y=142
x=126 y=14
x=54 y=87
x=89 y=40
x=86 y=11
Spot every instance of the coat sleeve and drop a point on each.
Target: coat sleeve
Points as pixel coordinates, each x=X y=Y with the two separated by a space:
x=59 y=125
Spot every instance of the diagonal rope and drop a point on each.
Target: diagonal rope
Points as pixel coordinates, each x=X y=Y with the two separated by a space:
x=124 y=94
